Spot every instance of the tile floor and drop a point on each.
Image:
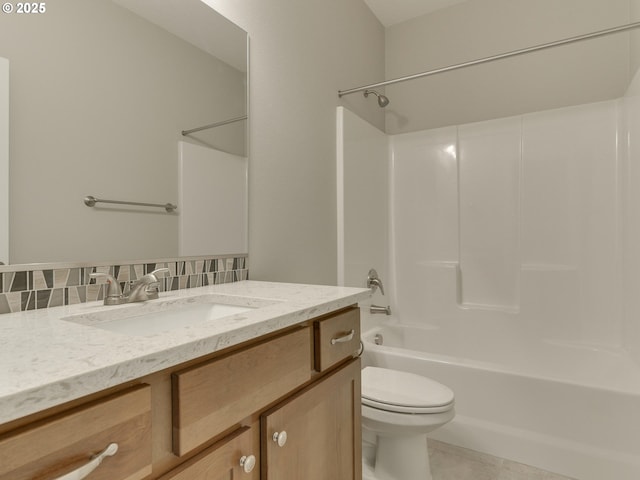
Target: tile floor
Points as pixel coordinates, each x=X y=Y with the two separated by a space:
x=449 y=462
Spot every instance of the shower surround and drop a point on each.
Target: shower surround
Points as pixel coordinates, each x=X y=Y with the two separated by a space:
x=520 y=217
x=512 y=232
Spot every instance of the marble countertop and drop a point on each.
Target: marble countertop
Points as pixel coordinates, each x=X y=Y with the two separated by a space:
x=47 y=360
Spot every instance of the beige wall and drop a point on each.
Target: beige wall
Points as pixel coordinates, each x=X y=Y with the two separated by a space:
x=98 y=100
x=302 y=53
x=580 y=73
x=630 y=197
x=4 y=159
x=634 y=16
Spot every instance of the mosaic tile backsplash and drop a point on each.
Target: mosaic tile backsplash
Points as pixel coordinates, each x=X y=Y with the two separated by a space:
x=29 y=289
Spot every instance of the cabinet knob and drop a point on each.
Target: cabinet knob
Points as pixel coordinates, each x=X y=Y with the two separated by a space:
x=247 y=462
x=280 y=438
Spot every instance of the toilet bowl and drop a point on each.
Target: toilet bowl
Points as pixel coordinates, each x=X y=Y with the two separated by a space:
x=398 y=410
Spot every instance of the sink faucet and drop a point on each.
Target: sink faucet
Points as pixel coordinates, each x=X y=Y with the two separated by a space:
x=113 y=295
x=147 y=287
x=144 y=289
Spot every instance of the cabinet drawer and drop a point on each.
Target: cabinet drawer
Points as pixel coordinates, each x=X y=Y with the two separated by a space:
x=224 y=460
x=336 y=338
x=58 y=445
x=211 y=398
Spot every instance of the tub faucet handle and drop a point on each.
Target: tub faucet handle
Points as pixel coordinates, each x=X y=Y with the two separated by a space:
x=373 y=281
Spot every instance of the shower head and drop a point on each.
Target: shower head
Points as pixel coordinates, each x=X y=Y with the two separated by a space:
x=382 y=100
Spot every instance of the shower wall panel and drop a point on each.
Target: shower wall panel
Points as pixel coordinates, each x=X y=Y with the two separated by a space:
x=512 y=222
x=489 y=214
x=424 y=201
x=571 y=215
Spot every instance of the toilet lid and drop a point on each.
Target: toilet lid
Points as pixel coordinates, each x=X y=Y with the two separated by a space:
x=398 y=391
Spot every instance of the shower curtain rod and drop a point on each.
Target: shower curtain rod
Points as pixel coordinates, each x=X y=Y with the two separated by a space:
x=544 y=46
x=214 y=125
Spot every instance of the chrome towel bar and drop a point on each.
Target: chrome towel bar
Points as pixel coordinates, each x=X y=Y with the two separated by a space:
x=214 y=125
x=91 y=201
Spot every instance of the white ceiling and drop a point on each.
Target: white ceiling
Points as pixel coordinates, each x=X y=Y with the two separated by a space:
x=390 y=12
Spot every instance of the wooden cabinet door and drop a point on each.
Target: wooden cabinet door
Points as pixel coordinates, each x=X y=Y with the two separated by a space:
x=222 y=461
x=322 y=426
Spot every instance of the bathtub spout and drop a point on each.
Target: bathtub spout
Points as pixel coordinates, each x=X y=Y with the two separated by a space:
x=378 y=309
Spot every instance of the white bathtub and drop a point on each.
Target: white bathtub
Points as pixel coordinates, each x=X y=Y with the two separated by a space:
x=570 y=409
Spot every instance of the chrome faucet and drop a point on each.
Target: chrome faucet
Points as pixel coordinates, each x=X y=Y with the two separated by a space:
x=374 y=282
x=113 y=295
x=146 y=288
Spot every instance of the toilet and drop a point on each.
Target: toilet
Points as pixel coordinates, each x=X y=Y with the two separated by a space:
x=398 y=410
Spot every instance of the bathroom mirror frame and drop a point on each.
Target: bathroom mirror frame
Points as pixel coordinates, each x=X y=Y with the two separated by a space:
x=189 y=22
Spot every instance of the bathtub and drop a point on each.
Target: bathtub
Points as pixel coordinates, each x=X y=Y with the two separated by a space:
x=567 y=408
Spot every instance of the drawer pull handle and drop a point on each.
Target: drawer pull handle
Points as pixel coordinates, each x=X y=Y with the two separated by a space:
x=280 y=438
x=95 y=462
x=247 y=463
x=343 y=339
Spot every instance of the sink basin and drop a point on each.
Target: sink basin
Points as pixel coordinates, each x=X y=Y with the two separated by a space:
x=151 y=319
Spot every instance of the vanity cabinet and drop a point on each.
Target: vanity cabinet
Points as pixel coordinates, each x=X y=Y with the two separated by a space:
x=220 y=417
x=304 y=389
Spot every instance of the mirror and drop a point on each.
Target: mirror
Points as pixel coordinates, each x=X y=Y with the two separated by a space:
x=100 y=92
